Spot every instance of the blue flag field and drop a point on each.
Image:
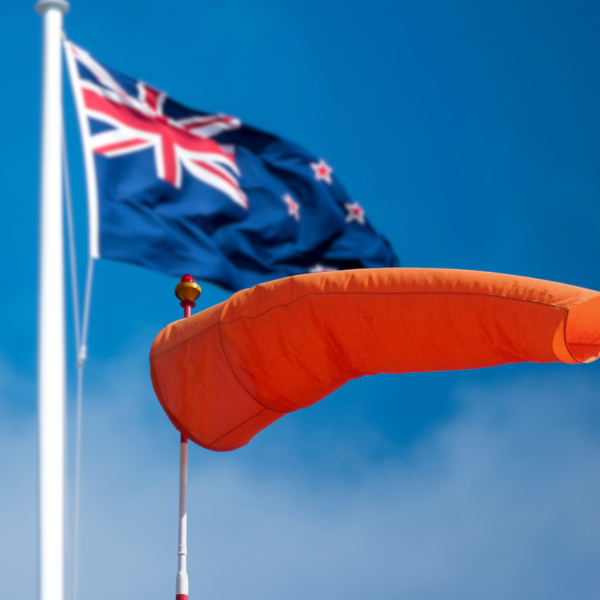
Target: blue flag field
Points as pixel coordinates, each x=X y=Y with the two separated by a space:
x=182 y=191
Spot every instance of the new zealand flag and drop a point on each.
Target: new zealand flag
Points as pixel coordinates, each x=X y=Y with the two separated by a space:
x=181 y=191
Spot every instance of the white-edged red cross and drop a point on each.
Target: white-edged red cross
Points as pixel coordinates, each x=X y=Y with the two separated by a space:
x=137 y=124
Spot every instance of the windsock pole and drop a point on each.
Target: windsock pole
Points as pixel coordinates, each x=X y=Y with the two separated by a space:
x=187 y=291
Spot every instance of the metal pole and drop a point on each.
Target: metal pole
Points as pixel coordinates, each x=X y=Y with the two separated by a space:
x=187 y=291
x=51 y=317
x=182 y=582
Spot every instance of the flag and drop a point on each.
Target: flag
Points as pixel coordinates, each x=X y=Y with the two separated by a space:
x=178 y=190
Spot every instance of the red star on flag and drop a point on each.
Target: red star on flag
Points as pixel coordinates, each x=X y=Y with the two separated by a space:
x=292 y=205
x=322 y=171
x=354 y=212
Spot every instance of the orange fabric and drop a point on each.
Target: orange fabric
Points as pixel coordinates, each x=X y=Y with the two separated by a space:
x=229 y=371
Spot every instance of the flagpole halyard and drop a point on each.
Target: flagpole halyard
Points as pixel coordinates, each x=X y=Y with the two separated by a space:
x=51 y=313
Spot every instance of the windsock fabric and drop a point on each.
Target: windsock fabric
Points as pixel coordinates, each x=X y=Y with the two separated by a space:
x=231 y=370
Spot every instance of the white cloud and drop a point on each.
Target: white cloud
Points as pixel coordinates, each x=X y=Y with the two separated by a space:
x=499 y=502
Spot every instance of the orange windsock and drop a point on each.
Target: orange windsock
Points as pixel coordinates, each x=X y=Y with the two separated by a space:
x=228 y=372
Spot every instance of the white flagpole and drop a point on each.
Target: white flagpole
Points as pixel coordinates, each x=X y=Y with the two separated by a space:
x=51 y=313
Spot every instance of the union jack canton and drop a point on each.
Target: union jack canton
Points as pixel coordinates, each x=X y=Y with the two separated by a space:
x=179 y=190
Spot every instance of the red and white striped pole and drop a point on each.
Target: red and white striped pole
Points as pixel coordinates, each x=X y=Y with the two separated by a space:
x=187 y=292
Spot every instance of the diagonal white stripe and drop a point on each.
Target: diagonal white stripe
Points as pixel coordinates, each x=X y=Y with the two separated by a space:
x=115 y=136
x=197 y=171
x=213 y=157
x=115 y=92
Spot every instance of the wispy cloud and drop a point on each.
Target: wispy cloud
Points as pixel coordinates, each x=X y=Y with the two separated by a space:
x=499 y=502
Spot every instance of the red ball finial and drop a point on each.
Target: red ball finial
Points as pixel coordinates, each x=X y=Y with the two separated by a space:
x=187 y=291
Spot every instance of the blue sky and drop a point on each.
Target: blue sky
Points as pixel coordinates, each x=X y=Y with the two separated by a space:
x=469 y=132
